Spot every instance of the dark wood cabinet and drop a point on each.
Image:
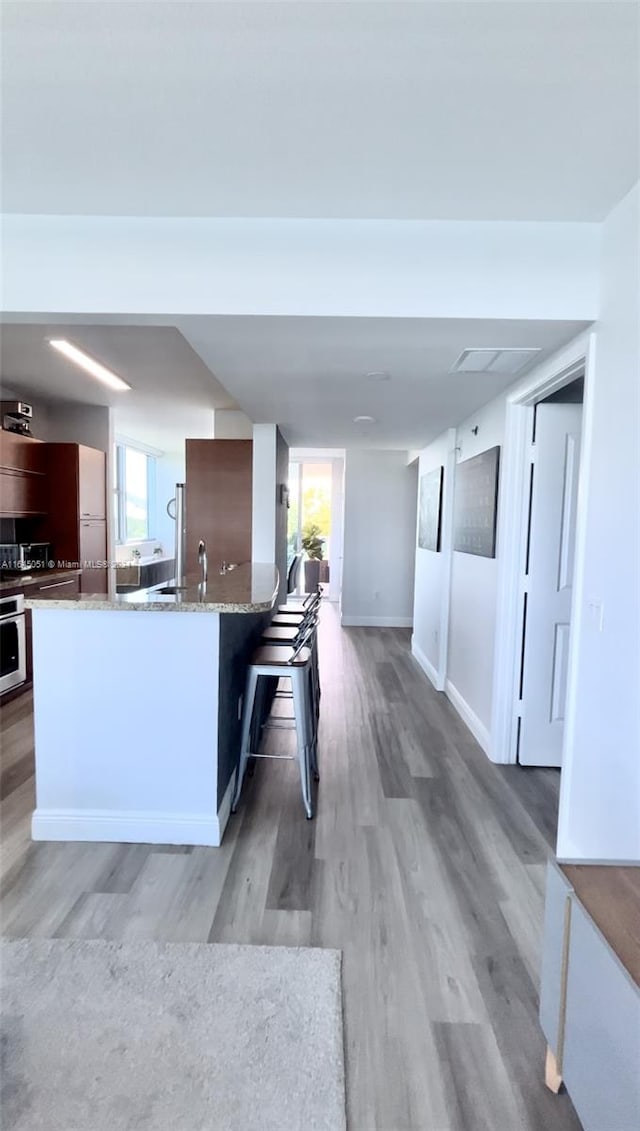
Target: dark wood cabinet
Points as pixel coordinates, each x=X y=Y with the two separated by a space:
x=219 y=500
x=23 y=483
x=77 y=527
x=56 y=586
x=65 y=585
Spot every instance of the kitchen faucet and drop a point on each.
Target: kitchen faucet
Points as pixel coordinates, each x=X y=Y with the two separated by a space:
x=202 y=560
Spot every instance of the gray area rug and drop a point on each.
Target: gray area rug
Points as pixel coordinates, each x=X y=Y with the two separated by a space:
x=142 y=1036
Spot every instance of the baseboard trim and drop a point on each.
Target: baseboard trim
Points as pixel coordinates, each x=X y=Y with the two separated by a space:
x=432 y=674
x=376 y=622
x=127 y=828
x=602 y=860
x=468 y=716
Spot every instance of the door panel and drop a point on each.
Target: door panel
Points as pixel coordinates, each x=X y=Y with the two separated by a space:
x=549 y=582
x=93 y=554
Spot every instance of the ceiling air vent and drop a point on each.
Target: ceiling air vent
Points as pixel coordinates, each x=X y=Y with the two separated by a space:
x=492 y=359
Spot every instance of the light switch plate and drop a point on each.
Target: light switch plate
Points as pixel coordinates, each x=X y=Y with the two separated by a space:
x=596 y=612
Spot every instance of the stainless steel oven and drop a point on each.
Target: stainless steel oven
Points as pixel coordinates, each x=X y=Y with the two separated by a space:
x=13 y=655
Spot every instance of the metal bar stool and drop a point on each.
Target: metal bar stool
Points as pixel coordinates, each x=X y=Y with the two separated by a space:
x=293 y=663
x=288 y=638
x=288 y=615
x=298 y=608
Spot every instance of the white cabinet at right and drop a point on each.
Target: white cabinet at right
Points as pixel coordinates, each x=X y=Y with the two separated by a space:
x=590 y=1011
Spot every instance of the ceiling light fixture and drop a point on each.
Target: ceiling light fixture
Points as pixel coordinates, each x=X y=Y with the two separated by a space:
x=378 y=375
x=363 y=420
x=89 y=364
x=494 y=359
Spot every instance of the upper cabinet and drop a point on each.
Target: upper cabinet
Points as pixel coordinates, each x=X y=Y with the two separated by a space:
x=78 y=475
x=77 y=527
x=23 y=486
x=92 y=483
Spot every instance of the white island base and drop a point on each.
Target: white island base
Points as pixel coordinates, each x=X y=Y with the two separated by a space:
x=137 y=721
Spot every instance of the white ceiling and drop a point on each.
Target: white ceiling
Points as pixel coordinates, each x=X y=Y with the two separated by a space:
x=173 y=393
x=307 y=374
x=453 y=110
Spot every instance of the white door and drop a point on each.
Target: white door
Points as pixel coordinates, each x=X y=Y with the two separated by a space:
x=548 y=582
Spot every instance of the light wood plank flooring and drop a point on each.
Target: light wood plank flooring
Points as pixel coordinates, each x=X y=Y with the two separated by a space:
x=425 y=865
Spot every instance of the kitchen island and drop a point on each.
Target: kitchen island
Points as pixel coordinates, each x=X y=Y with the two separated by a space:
x=137 y=717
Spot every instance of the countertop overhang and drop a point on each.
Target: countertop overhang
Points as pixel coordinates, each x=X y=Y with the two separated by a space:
x=249 y=588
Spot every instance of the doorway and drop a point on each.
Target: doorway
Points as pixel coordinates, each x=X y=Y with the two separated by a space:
x=517 y=619
x=551 y=483
x=315 y=522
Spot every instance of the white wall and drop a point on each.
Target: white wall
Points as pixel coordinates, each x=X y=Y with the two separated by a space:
x=269 y=518
x=432 y=570
x=379 y=538
x=473 y=592
x=435 y=269
x=68 y=422
x=337 y=528
x=170 y=469
x=600 y=796
x=231 y=424
x=79 y=424
x=467 y=666
x=263 y=546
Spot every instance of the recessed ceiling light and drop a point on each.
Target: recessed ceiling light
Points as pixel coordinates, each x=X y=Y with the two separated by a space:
x=363 y=420
x=494 y=359
x=378 y=375
x=89 y=364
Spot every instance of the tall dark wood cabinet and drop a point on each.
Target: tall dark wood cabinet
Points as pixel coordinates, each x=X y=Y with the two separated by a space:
x=77 y=482
x=219 y=500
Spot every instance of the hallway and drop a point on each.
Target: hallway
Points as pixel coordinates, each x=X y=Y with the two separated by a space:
x=425 y=865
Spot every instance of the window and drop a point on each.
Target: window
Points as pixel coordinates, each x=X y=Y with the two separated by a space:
x=134 y=486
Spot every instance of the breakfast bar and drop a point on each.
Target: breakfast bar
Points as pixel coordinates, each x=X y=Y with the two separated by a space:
x=137 y=719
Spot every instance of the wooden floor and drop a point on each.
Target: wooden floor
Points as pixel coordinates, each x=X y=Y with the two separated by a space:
x=425 y=866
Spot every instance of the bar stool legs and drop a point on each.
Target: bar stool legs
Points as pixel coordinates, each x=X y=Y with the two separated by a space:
x=304 y=706
x=304 y=735
x=245 y=741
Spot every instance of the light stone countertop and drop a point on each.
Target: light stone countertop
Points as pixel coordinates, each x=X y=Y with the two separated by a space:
x=249 y=588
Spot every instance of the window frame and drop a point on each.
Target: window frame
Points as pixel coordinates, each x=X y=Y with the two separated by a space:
x=120 y=491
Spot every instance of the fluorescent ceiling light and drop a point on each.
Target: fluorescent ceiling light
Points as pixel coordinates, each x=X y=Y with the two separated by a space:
x=89 y=364
x=363 y=420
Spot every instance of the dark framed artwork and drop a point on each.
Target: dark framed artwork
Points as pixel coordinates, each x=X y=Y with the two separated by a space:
x=430 y=509
x=475 y=509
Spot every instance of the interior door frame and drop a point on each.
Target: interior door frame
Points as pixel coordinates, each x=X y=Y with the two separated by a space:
x=335 y=465
x=513 y=516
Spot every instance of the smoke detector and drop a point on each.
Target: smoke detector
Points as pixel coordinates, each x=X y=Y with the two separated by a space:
x=495 y=359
